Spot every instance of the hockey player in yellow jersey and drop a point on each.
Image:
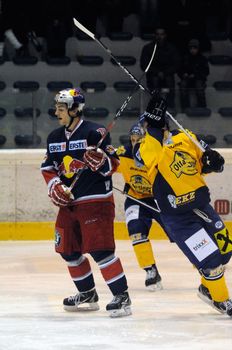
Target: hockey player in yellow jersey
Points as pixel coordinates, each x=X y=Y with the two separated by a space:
x=138 y=216
x=177 y=169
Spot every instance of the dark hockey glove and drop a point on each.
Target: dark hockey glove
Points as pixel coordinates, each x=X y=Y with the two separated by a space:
x=60 y=194
x=155 y=112
x=212 y=162
x=94 y=158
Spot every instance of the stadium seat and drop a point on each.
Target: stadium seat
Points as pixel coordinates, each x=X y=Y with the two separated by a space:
x=228 y=139
x=82 y=36
x=209 y=139
x=26 y=112
x=26 y=86
x=197 y=112
x=122 y=86
x=130 y=112
x=2 y=85
x=26 y=140
x=125 y=60
x=58 y=61
x=1 y=60
x=55 y=86
x=90 y=60
x=25 y=61
x=124 y=139
x=220 y=60
x=93 y=86
x=95 y=112
x=225 y=111
x=2 y=139
x=223 y=85
x=2 y=112
x=121 y=36
x=51 y=113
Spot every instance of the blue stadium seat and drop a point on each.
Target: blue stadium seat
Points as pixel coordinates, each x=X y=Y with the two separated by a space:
x=26 y=112
x=58 y=61
x=93 y=86
x=90 y=60
x=228 y=139
x=26 y=140
x=26 y=86
x=25 y=61
x=124 y=60
x=225 y=111
x=122 y=86
x=221 y=60
x=2 y=85
x=223 y=85
x=2 y=112
x=130 y=112
x=55 y=86
x=122 y=36
x=95 y=112
x=198 y=112
x=2 y=140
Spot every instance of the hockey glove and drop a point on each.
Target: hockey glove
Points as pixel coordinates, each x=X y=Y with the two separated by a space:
x=60 y=194
x=155 y=113
x=212 y=162
x=94 y=158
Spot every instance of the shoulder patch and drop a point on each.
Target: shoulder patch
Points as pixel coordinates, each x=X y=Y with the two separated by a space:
x=120 y=150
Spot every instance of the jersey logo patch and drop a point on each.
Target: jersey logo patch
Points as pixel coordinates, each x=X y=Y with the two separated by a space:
x=57 y=147
x=69 y=166
x=140 y=184
x=183 y=164
x=77 y=144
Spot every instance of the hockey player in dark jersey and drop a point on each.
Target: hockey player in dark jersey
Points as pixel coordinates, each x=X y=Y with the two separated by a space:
x=138 y=216
x=177 y=168
x=86 y=214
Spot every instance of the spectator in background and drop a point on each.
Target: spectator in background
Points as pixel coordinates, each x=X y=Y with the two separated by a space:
x=165 y=64
x=148 y=15
x=14 y=26
x=193 y=74
x=57 y=18
x=185 y=19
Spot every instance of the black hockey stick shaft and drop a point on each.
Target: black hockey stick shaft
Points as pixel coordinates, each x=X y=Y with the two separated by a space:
x=91 y=35
x=137 y=200
x=118 y=114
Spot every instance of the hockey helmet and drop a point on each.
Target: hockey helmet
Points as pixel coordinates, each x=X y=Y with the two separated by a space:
x=137 y=129
x=72 y=98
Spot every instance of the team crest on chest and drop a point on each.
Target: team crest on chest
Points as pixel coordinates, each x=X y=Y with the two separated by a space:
x=183 y=164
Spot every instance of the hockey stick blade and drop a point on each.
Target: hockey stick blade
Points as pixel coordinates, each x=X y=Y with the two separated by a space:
x=83 y=29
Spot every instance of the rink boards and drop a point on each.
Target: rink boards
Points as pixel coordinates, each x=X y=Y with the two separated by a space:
x=26 y=213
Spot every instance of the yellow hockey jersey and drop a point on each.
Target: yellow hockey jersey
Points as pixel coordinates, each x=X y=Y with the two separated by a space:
x=136 y=177
x=174 y=168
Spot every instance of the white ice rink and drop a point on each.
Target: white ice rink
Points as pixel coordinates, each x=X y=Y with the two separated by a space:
x=34 y=282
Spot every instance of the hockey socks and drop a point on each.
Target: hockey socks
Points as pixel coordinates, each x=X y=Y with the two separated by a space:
x=113 y=274
x=80 y=271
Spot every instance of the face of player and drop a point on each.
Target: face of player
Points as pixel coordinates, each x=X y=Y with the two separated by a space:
x=63 y=115
x=135 y=139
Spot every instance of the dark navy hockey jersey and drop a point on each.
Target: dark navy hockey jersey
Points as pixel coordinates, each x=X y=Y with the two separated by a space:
x=64 y=160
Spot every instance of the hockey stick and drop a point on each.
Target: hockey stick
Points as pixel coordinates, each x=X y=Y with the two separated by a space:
x=91 y=35
x=137 y=200
x=118 y=114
